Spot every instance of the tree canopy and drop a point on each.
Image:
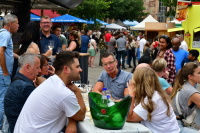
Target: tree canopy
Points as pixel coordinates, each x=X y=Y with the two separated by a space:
x=113 y=9
x=126 y=10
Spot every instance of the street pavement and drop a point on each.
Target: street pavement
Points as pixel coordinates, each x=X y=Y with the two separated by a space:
x=94 y=73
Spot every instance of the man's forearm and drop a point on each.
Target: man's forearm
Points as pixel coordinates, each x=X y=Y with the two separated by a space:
x=3 y=64
x=71 y=127
x=16 y=56
x=80 y=99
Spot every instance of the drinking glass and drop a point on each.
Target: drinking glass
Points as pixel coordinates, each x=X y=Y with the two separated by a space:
x=89 y=88
x=51 y=44
x=59 y=49
x=83 y=88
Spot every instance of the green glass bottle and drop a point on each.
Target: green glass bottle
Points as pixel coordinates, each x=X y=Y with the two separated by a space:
x=112 y=117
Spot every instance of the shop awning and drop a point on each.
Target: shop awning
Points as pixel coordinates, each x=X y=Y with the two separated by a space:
x=196 y=30
x=175 y=29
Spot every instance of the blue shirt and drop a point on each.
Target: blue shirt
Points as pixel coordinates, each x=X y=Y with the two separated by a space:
x=6 y=41
x=84 y=43
x=44 y=41
x=164 y=84
x=15 y=97
x=181 y=56
x=117 y=84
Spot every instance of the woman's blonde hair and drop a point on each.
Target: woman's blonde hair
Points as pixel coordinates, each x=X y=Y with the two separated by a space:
x=146 y=83
x=182 y=76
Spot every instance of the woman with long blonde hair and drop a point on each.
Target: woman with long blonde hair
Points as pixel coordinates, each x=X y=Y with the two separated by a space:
x=150 y=104
x=188 y=96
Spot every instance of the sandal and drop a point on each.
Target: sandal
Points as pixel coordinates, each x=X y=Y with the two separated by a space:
x=93 y=66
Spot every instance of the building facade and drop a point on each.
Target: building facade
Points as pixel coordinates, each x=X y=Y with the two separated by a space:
x=156 y=9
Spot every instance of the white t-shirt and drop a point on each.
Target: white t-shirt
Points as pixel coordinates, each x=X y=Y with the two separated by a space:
x=141 y=43
x=184 y=45
x=92 y=43
x=160 y=122
x=47 y=108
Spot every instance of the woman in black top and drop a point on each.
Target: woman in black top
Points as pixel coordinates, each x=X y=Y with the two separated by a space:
x=74 y=42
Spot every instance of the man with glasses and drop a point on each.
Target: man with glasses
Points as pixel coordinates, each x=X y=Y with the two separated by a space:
x=112 y=78
x=46 y=36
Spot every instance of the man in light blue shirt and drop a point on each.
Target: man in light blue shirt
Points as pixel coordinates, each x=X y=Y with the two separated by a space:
x=112 y=78
x=181 y=56
x=11 y=25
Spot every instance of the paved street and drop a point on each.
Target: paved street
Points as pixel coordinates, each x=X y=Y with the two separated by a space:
x=93 y=73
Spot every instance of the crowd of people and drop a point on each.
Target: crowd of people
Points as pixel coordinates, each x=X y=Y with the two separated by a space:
x=38 y=97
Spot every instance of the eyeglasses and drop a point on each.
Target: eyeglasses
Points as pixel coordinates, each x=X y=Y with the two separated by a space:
x=109 y=63
x=45 y=22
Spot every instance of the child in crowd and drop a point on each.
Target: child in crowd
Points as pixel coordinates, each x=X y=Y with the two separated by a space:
x=193 y=55
x=159 y=65
x=150 y=104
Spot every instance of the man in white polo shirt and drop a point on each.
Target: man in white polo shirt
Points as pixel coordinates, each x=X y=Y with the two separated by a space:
x=183 y=45
x=56 y=101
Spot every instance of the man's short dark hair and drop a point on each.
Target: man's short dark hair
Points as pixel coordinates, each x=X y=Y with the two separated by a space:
x=145 y=59
x=116 y=34
x=194 y=53
x=64 y=58
x=106 y=54
x=54 y=27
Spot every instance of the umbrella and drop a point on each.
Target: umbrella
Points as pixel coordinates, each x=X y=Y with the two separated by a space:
x=113 y=26
x=90 y=22
x=34 y=17
x=68 y=19
x=101 y=22
x=119 y=22
x=130 y=23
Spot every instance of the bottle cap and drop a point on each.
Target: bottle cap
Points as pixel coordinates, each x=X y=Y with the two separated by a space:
x=104 y=89
x=108 y=96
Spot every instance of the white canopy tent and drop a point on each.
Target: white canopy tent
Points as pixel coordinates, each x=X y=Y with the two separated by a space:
x=113 y=26
x=141 y=25
x=175 y=21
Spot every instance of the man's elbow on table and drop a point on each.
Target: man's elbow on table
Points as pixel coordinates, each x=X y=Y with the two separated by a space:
x=80 y=115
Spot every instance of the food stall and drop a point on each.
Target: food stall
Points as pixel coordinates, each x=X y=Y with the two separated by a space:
x=188 y=13
x=153 y=29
